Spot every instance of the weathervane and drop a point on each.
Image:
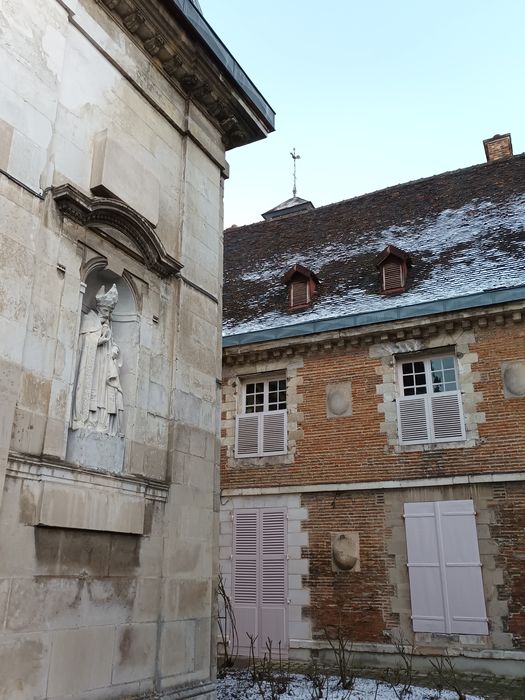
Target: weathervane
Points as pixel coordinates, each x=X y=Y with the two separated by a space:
x=295 y=158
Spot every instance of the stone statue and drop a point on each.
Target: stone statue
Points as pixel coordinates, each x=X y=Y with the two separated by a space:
x=98 y=405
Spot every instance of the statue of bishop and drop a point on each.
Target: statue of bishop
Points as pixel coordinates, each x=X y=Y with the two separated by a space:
x=98 y=404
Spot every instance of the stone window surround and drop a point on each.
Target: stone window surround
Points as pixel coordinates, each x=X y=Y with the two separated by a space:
x=233 y=405
x=459 y=343
x=299 y=626
x=497 y=610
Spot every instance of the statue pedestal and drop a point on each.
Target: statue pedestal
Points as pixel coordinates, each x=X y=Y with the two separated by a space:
x=95 y=450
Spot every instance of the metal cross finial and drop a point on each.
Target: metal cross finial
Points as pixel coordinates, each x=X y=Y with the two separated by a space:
x=295 y=158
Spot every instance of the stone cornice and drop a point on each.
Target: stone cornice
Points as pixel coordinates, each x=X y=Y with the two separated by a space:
x=105 y=211
x=187 y=65
x=394 y=331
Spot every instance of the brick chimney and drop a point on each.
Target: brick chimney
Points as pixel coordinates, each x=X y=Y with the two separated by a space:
x=498 y=147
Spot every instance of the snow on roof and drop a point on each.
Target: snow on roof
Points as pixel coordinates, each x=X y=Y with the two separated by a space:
x=464 y=232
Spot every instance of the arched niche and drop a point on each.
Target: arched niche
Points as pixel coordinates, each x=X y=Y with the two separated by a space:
x=90 y=444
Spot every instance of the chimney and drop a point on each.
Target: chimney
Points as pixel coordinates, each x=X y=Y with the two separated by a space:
x=498 y=147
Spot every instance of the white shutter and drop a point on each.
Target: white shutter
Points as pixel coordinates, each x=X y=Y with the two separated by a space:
x=413 y=420
x=273 y=624
x=247 y=435
x=274 y=436
x=245 y=576
x=463 y=580
x=446 y=587
x=424 y=568
x=447 y=416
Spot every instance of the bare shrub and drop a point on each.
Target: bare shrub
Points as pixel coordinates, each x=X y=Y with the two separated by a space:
x=344 y=658
x=446 y=676
x=227 y=629
x=400 y=678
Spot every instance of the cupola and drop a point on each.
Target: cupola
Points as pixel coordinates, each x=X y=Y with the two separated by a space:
x=393 y=264
x=302 y=287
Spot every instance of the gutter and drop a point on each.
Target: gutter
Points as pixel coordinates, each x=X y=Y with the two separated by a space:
x=428 y=308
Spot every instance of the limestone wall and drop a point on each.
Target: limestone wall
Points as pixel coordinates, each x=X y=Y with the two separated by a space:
x=106 y=577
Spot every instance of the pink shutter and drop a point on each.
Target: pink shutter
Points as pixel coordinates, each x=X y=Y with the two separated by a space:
x=273 y=622
x=413 y=420
x=274 y=435
x=245 y=575
x=446 y=587
x=447 y=416
x=462 y=568
x=424 y=569
x=247 y=435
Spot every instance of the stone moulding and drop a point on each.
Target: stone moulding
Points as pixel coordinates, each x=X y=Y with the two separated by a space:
x=105 y=211
x=187 y=66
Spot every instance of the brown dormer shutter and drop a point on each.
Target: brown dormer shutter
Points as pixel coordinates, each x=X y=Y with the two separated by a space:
x=393 y=277
x=299 y=293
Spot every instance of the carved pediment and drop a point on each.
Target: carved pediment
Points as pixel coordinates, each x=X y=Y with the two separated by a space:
x=104 y=211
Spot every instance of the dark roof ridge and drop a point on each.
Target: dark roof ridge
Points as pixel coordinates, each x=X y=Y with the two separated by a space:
x=384 y=190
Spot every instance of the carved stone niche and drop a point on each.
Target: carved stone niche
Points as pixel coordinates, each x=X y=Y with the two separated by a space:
x=105 y=374
x=345 y=551
x=513 y=376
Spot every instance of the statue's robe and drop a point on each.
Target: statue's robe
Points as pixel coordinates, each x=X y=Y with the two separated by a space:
x=98 y=402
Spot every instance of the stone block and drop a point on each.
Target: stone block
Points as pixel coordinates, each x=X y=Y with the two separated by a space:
x=339 y=400
x=28 y=432
x=193 y=599
x=90 y=509
x=146 y=605
x=44 y=603
x=81 y=660
x=118 y=172
x=135 y=647
x=23 y=666
x=177 y=653
x=95 y=450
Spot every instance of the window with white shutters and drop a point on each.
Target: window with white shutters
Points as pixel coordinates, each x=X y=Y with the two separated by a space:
x=446 y=586
x=429 y=408
x=261 y=429
x=260 y=577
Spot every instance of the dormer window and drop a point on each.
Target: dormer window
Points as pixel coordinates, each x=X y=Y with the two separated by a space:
x=302 y=287
x=393 y=264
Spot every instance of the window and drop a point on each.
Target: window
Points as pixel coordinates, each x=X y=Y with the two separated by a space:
x=302 y=287
x=446 y=587
x=261 y=427
x=393 y=264
x=429 y=408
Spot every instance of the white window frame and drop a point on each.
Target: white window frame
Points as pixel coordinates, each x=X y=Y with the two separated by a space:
x=433 y=417
x=268 y=429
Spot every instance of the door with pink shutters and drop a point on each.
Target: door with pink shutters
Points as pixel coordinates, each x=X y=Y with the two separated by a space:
x=260 y=574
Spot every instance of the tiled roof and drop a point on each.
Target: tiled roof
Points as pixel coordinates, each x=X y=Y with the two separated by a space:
x=464 y=232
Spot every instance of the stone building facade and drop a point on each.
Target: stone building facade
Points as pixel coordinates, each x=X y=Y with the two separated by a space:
x=398 y=463
x=114 y=122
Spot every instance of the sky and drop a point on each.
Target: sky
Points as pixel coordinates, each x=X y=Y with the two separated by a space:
x=370 y=94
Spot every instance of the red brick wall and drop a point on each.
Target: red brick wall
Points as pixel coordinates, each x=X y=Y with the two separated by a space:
x=354 y=449
x=357 y=602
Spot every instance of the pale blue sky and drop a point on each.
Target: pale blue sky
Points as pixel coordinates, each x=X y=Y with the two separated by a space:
x=370 y=94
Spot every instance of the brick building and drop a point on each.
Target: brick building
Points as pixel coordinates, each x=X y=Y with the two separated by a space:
x=373 y=391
